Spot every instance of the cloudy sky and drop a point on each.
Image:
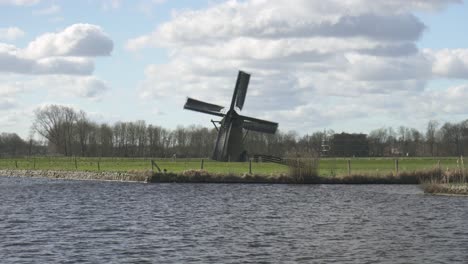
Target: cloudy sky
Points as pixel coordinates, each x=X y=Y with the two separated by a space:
x=346 y=65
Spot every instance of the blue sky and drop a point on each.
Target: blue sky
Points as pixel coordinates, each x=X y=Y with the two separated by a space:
x=342 y=65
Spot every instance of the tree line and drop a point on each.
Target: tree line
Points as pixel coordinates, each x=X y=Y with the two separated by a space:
x=69 y=132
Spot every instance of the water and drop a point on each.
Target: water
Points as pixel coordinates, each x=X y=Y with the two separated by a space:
x=56 y=221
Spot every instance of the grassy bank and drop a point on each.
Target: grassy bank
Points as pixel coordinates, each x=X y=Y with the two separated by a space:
x=329 y=167
x=80 y=175
x=202 y=176
x=325 y=171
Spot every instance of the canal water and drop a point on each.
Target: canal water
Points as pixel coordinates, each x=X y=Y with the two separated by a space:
x=58 y=221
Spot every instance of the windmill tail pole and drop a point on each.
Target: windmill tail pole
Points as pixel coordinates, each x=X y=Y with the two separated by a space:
x=153 y=164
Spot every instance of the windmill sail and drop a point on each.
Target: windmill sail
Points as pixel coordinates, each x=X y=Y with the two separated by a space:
x=241 y=89
x=200 y=106
x=259 y=125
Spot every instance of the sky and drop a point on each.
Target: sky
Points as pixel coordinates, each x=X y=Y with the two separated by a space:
x=345 y=65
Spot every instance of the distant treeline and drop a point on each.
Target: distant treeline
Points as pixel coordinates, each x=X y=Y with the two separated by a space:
x=71 y=133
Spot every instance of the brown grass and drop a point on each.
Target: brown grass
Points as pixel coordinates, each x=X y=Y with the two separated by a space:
x=451 y=182
x=297 y=175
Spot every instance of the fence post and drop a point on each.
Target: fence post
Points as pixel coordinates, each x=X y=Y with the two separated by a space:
x=250 y=166
x=396 y=167
x=76 y=164
x=463 y=169
x=349 y=167
x=34 y=162
x=201 y=167
x=152 y=166
x=98 y=166
x=16 y=163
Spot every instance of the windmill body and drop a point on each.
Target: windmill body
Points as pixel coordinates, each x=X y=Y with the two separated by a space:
x=229 y=142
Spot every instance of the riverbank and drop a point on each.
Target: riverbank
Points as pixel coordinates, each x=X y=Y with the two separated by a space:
x=80 y=175
x=202 y=176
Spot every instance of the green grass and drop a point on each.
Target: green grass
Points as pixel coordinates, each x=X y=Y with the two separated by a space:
x=137 y=164
x=327 y=167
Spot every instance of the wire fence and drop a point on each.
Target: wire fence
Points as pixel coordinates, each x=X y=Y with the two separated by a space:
x=326 y=167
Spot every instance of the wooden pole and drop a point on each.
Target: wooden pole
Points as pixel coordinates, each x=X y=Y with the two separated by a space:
x=463 y=169
x=98 y=166
x=396 y=167
x=153 y=164
x=16 y=163
x=349 y=167
x=34 y=161
x=76 y=164
x=250 y=166
x=202 y=160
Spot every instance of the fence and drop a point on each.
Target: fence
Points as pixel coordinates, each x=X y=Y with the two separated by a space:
x=326 y=167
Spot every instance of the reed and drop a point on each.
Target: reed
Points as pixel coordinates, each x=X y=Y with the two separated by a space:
x=303 y=170
x=297 y=175
x=449 y=182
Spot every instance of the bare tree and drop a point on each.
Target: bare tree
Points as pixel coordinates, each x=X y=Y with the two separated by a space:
x=431 y=136
x=55 y=123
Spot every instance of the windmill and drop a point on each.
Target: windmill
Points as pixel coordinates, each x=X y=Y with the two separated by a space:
x=229 y=142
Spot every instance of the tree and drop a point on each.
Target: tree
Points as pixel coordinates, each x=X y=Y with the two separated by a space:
x=431 y=136
x=56 y=123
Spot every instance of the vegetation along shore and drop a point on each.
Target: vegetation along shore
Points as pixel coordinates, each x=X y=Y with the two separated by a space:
x=435 y=176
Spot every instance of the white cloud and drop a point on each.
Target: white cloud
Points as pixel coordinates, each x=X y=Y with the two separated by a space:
x=7 y=103
x=12 y=61
x=67 y=52
x=388 y=20
x=76 y=40
x=313 y=62
x=11 y=33
x=451 y=63
x=55 y=86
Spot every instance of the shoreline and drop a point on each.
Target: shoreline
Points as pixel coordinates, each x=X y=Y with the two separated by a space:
x=78 y=175
x=202 y=176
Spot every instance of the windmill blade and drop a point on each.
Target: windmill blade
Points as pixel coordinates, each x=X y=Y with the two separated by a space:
x=238 y=98
x=200 y=106
x=259 y=125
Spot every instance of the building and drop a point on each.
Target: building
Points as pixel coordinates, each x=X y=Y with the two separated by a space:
x=349 y=145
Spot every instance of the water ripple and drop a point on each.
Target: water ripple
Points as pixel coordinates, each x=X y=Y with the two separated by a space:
x=55 y=221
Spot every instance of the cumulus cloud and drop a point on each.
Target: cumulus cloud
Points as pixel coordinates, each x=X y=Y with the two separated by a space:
x=70 y=51
x=55 y=86
x=451 y=63
x=76 y=40
x=11 y=33
x=311 y=60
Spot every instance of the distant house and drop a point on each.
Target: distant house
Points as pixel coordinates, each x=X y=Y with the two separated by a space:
x=349 y=145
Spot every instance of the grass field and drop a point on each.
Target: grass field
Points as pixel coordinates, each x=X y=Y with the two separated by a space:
x=327 y=166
